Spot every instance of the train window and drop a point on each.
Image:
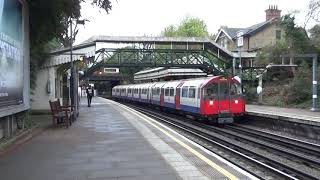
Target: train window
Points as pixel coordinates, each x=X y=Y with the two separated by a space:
x=192 y=92
x=184 y=91
x=166 y=92
x=171 y=92
x=211 y=91
x=158 y=91
x=235 y=89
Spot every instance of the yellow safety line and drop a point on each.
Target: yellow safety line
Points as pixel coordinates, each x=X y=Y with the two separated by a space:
x=199 y=155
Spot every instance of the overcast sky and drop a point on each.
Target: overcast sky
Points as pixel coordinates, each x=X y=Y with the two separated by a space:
x=150 y=17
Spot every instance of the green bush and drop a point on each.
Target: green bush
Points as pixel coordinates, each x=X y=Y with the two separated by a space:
x=301 y=86
x=251 y=94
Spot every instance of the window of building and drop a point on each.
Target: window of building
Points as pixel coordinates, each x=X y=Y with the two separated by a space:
x=225 y=43
x=278 y=34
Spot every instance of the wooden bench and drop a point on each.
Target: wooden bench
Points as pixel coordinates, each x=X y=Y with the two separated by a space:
x=69 y=108
x=61 y=114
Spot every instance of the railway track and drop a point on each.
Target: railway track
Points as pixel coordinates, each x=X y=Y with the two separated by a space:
x=231 y=139
x=307 y=148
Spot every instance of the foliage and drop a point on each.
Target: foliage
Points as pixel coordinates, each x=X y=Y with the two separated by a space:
x=315 y=37
x=300 y=87
x=189 y=27
x=313 y=12
x=271 y=54
x=296 y=38
x=170 y=31
x=49 y=21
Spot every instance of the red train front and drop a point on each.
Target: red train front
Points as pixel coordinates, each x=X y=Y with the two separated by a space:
x=222 y=99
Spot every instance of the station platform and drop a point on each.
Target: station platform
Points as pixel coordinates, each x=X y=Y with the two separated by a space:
x=304 y=116
x=110 y=141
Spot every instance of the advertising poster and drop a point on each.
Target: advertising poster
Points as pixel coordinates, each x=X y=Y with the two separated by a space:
x=11 y=53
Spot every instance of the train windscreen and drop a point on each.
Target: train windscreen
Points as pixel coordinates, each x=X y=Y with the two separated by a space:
x=221 y=91
x=211 y=91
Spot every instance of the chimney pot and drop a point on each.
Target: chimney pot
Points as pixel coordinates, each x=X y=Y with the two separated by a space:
x=272 y=12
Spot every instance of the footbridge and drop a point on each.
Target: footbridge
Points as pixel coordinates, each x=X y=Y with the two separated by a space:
x=111 y=51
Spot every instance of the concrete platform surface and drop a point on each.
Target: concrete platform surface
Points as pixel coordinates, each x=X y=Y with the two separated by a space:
x=291 y=114
x=107 y=142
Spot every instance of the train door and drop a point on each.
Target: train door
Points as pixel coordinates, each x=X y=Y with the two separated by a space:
x=147 y=98
x=171 y=97
x=162 y=96
x=224 y=96
x=177 y=96
x=192 y=99
x=167 y=95
x=198 y=95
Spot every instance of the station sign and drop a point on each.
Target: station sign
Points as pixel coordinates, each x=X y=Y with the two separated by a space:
x=240 y=39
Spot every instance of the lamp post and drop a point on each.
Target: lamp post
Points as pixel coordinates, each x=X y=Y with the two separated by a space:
x=240 y=44
x=73 y=83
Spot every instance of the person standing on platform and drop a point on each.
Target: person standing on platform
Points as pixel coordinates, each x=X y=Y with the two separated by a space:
x=90 y=94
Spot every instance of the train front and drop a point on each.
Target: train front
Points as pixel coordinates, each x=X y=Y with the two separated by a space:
x=222 y=99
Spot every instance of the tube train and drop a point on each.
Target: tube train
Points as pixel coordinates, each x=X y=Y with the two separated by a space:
x=216 y=98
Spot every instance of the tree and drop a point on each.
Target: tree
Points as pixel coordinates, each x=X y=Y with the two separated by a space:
x=189 y=27
x=315 y=36
x=49 y=22
x=50 y=19
x=170 y=31
x=313 y=12
x=296 y=37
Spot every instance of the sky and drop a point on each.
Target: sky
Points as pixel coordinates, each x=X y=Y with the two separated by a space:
x=150 y=17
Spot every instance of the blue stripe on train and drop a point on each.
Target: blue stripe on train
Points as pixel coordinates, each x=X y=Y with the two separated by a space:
x=144 y=100
x=156 y=102
x=170 y=105
x=190 y=108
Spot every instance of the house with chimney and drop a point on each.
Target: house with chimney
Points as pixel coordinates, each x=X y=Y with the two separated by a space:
x=255 y=37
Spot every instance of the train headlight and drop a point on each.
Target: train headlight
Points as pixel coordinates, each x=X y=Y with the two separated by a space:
x=211 y=102
x=236 y=101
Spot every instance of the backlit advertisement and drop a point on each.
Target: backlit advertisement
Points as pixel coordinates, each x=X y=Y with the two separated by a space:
x=11 y=53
